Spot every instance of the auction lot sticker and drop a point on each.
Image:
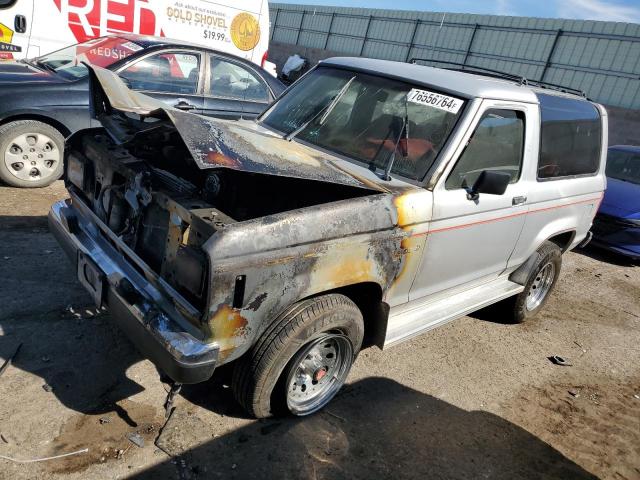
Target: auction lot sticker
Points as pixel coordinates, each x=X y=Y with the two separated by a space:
x=436 y=100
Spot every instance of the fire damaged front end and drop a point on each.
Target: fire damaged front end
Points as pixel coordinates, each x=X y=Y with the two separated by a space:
x=197 y=233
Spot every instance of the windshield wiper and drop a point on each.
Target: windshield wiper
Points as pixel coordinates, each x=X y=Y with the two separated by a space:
x=45 y=66
x=392 y=158
x=403 y=129
x=325 y=111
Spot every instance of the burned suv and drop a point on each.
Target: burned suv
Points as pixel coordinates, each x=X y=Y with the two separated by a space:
x=371 y=202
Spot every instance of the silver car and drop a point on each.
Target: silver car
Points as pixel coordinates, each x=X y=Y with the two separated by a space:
x=371 y=202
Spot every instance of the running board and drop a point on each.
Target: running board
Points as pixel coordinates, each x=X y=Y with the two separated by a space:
x=421 y=315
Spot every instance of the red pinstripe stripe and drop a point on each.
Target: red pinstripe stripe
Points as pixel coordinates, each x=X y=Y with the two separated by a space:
x=497 y=219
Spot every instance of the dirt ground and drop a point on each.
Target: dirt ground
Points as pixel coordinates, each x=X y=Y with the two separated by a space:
x=475 y=399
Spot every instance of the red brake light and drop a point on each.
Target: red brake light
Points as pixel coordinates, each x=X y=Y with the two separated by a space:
x=264 y=58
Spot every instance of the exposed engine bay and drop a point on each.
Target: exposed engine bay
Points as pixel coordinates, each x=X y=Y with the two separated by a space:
x=165 y=208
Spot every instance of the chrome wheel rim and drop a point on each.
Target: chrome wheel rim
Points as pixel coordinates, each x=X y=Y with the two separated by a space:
x=318 y=371
x=541 y=285
x=31 y=157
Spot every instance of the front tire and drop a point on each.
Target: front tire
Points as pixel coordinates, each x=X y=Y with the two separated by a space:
x=302 y=359
x=541 y=281
x=31 y=154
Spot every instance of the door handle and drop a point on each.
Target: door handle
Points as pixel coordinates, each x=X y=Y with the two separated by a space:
x=20 y=24
x=518 y=200
x=184 y=105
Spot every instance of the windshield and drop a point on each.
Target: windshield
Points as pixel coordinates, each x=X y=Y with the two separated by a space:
x=367 y=118
x=623 y=165
x=102 y=52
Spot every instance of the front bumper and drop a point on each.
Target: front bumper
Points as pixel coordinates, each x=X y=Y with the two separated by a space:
x=141 y=307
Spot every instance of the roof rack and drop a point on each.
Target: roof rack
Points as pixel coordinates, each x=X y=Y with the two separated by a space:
x=488 y=72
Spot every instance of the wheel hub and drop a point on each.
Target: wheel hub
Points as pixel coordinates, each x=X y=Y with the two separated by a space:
x=540 y=286
x=32 y=156
x=318 y=371
x=319 y=374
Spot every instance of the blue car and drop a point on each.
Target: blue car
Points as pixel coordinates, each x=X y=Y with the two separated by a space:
x=617 y=224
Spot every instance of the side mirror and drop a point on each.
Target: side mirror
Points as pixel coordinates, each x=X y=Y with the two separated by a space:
x=490 y=182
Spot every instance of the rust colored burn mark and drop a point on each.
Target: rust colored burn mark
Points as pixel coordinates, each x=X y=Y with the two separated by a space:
x=256 y=302
x=409 y=257
x=343 y=271
x=223 y=160
x=413 y=209
x=405 y=247
x=227 y=324
x=356 y=271
x=404 y=209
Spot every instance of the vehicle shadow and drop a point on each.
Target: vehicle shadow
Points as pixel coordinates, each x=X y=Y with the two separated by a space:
x=602 y=255
x=501 y=313
x=79 y=354
x=81 y=358
x=215 y=394
x=375 y=428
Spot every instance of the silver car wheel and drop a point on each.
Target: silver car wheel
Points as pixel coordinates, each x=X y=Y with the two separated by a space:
x=32 y=156
x=541 y=286
x=319 y=370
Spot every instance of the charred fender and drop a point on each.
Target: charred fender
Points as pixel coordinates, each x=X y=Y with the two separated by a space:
x=295 y=255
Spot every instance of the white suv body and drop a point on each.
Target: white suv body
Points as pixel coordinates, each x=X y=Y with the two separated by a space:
x=371 y=202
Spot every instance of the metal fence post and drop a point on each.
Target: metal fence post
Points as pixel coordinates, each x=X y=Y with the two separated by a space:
x=300 y=27
x=366 y=34
x=551 y=52
x=326 y=40
x=473 y=37
x=413 y=37
x=275 y=23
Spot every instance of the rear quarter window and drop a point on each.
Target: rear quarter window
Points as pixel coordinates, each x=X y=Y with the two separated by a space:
x=570 y=137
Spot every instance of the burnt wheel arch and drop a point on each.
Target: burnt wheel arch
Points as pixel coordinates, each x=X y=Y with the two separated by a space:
x=375 y=312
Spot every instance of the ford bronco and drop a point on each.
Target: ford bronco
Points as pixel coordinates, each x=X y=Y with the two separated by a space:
x=371 y=202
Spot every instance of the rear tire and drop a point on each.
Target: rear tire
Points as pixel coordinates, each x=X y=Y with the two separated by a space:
x=540 y=284
x=31 y=154
x=302 y=359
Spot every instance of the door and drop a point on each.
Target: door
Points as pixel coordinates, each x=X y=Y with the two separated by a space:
x=235 y=90
x=470 y=240
x=173 y=76
x=15 y=28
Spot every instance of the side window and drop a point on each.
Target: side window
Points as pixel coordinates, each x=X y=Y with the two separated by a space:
x=233 y=81
x=570 y=137
x=170 y=72
x=617 y=162
x=623 y=166
x=497 y=144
